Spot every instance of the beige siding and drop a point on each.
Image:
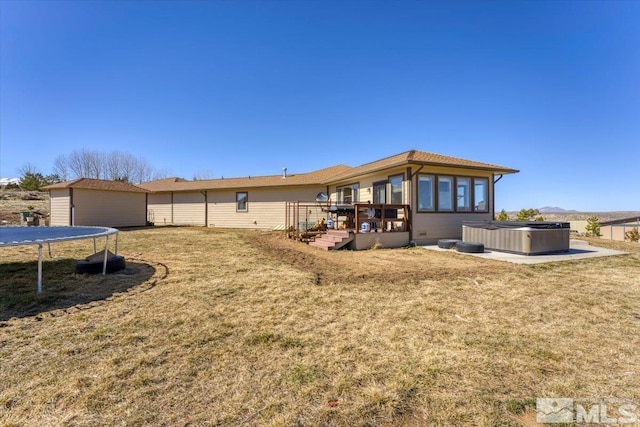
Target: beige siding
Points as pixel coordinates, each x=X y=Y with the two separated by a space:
x=383 y=240
x=266 y=207
x=109 y=208
x=159 y=207
x=616 y=231
x=429 y=227
x=189 y=208
x=60 y=207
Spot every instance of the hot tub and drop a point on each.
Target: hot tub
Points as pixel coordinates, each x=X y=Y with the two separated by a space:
x=527 y=238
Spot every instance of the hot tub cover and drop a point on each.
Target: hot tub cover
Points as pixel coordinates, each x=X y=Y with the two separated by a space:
x=536 y=225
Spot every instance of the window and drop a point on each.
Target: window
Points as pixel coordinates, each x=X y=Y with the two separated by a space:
x=463 y=194
x=425 y=193
x=454 y=194
x=481 y=194
x=380 y=192
x=445 y=193
x=348 y=193
x=242 y=204
x=395 y=184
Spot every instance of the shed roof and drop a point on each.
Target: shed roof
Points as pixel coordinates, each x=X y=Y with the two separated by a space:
x=630 y=221
x=97 y=184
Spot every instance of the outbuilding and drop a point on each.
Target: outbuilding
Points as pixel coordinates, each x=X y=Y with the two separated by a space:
x=98 y=202
x=617 y=229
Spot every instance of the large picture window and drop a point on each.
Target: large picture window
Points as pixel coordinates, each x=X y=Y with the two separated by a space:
x=445 y=193
x=242 y=201
x=425 y=193
x=452 y=194
x=481 y=194
x=348 y=193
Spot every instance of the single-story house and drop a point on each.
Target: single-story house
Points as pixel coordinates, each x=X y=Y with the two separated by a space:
x=97 y=202
x=431 y=195
x=616 y=229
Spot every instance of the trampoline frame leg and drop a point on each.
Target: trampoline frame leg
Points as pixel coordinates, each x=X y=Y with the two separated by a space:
x=39 y=268
x=104 y=264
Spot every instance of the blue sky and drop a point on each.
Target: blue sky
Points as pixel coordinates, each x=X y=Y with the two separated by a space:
x=236 y=88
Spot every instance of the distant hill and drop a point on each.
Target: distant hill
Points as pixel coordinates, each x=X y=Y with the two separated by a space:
x=555 y=209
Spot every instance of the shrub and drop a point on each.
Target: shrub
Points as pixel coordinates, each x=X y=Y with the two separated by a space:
x=593 y=227
x=528 y=215
x=632 y=235
x=503 y=216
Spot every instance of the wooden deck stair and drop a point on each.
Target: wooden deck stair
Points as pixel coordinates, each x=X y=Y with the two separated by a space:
x=332 y=240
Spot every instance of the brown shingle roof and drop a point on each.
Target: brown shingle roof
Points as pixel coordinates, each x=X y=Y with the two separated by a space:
x=420 y=158
x=311 y=178
x=97 y=184
x=322 y=176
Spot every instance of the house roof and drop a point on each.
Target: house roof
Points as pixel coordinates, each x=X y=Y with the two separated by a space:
x=310 y=178
x=323 y=176
x=97 y=184
x=420 y=158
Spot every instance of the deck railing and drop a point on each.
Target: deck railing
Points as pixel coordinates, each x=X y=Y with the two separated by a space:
x=381 y=217
x=305 y=220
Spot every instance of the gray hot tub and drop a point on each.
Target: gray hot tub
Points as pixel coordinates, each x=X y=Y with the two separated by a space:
x=520 y=237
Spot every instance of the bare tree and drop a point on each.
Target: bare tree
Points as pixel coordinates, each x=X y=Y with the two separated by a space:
x=61 y=167
x=28 y=168
x=129 y=165
x=96 y=164
x=83 y=164
x=203 y=175
x=162 y=173
x=113 y=168
x=144 y=171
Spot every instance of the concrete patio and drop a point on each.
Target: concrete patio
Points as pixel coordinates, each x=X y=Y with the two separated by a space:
x=578 y=249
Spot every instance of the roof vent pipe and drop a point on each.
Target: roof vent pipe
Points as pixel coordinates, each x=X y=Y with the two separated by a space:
x=284 y=173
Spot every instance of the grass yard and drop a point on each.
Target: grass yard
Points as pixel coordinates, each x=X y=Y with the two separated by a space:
x=227 y=328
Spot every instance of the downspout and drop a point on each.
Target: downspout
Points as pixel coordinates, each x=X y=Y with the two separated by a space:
x=146 y=208
x=72 y=208
x=206 y=208
x=172 y=207
x=417 y=172
x=493 y=194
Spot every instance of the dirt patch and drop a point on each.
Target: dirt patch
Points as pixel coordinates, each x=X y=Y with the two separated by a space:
x=377 y=266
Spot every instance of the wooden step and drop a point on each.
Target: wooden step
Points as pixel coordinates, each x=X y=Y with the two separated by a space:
x=320 y=245
x=337 y=233
x=333 y=239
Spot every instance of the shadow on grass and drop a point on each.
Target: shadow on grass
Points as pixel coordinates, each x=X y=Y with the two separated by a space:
x=61 y=288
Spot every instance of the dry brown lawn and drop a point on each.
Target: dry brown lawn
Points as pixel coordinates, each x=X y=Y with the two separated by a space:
x=227 y=328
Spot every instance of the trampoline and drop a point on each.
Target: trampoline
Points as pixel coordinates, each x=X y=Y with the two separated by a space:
x=18 y=236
